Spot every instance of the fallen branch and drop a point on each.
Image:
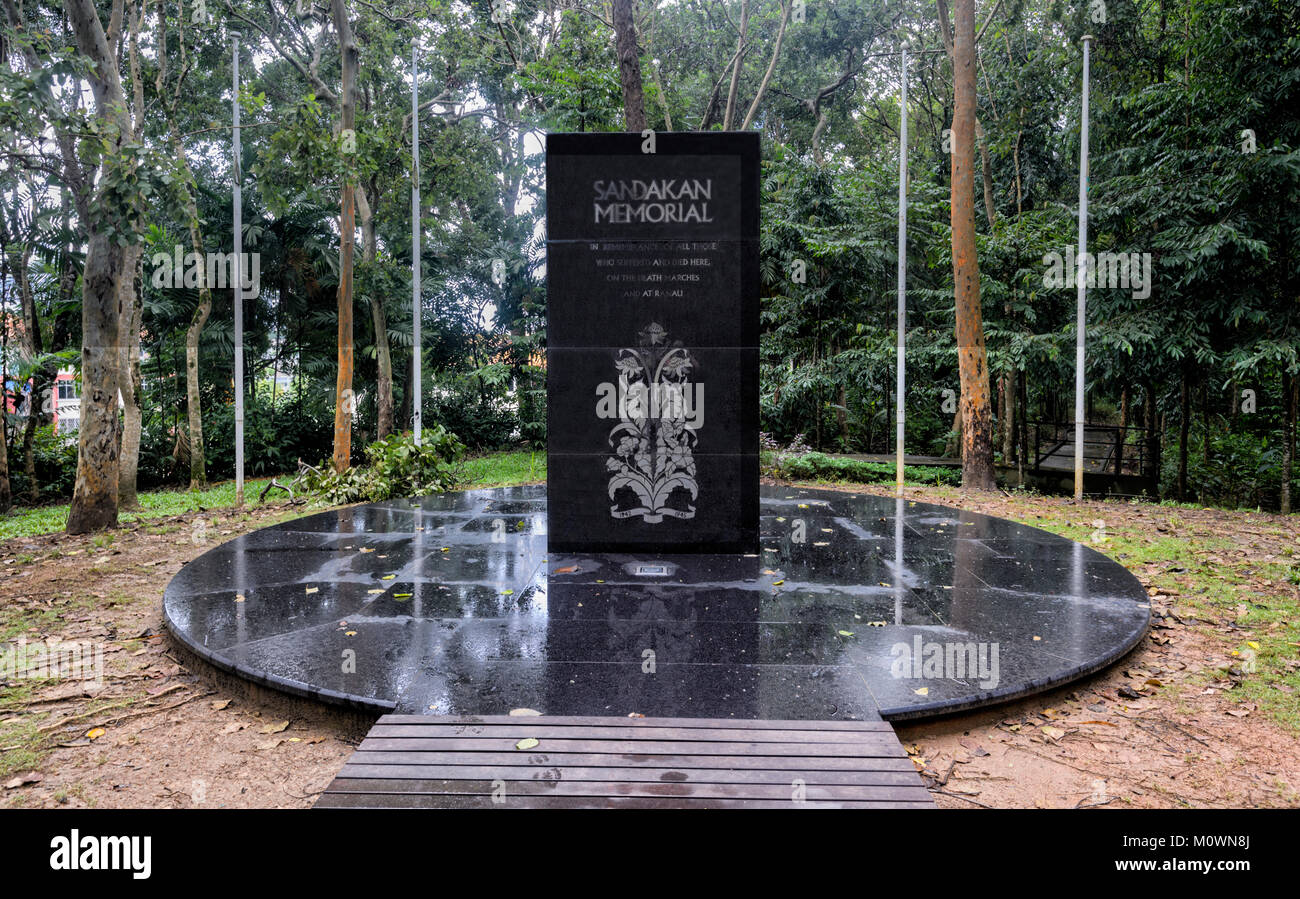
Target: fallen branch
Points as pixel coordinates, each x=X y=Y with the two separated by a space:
x=166 y=708
x=70 y=719
x=960 y=796
x=274 y=485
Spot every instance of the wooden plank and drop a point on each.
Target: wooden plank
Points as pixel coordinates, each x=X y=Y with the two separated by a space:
x=517 y=732
x=401 y=801
x=529 y=788
x=355 y=771
x=873 y=746
x=595 y=759
x=607 y=762
x=874 y=724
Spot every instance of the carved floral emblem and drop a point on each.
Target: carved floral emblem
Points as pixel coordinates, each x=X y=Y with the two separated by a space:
x=652 y=468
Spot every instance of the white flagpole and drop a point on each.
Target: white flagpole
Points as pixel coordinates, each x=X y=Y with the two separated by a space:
x=1081 y=278
x=901 y=415
x=415 y=242
x=237 y=212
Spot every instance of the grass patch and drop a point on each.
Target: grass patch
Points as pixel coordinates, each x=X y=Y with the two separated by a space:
x=22 y=743
x=23 y=746
x=488 y=470
x=1196 y=576
x=505 y=469
x=820 y=468
x=19 y=619
x=30 y=522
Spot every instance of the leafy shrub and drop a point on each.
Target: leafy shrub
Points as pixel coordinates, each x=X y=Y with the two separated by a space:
x=821 y=467
x=395 y=467
x=485 y=423
x=56 y=464
x=1244 y=470
x=276 y=435
x=773 y=456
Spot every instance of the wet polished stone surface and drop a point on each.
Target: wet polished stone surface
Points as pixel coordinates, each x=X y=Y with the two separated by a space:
x=854 y=606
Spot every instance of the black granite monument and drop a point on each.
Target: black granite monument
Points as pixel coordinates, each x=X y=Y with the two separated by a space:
x=576 y=598
x=652 y=344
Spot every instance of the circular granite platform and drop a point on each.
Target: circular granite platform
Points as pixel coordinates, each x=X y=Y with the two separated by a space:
x=856 y=605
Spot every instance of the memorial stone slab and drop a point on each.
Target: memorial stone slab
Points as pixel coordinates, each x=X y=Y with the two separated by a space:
x=652 y=342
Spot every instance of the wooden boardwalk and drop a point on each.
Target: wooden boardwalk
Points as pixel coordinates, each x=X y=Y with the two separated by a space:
x=417 y=761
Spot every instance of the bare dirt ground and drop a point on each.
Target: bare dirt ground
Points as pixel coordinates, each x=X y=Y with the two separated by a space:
x=1173 y=724
x=1177 y=723
x=176 y=732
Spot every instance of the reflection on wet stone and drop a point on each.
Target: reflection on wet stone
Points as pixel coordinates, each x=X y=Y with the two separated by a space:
x=477 y=619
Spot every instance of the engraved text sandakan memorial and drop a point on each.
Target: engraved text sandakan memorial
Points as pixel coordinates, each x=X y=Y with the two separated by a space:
x=652 y=342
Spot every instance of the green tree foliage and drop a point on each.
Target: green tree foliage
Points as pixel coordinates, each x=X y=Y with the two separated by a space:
x=1195 y=134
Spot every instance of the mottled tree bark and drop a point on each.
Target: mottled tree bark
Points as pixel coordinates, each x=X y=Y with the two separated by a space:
x=379 y=318
x=1291 y=398
x=94 y=496
x=43 y=377
x=130 y=384
x=977 y=418
x=6 y=492
x=193 y=399
x=1009 y=390
x=131 y=305
x=629 y=66
x=1184 y=423
x=343 y=399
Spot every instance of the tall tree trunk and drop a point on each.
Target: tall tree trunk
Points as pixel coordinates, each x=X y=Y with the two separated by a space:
x=977 y=418
x=379 y=318
x=1007 y=419
x=343 y=400
x=1291 y=398
x=742 y=44
x=1184 y=422
x=94 y=496
x=384 y=386
x=35 y=415
x=842 y=418
x=1022 y=448
x=6 y=492
x=193 y=399
x=786 y=8
x=130 y=303
x=1123 y=430
x=407 y=411
x=129 y=382
x=1149 y=421
x=953 y=446
x=42 y=376
x=986 y=168
x=629 y=66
